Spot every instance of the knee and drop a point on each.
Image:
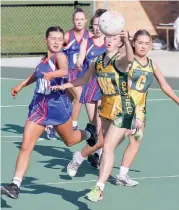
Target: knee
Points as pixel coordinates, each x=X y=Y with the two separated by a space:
x=26 y=148
x=107 y=148
x=99 y=145
x=76 y=96
x=135 y=142
x=69 y=143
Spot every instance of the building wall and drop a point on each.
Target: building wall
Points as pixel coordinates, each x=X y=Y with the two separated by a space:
x=144 y=14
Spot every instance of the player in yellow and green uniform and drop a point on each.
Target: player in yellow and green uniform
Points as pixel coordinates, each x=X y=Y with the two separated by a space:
x=116 y=105
x=141 y=74
x=117 y=108
x=140 y=79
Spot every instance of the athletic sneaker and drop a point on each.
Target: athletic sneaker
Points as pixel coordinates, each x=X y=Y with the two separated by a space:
x=95 y=194
x=11 y=190
x=93 y=139
x=94 y=160
x=51 y=133
x=72 y=167
x=126 y=181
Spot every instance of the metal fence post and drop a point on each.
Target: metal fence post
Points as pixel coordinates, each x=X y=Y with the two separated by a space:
x=75 y=4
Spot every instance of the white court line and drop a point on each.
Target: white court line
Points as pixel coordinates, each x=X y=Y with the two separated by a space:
x=40 y=139
x=157 y=89
x=10 y=78
x=9 y=106
x=159 y=99
x=88 y=181
x=155 y=99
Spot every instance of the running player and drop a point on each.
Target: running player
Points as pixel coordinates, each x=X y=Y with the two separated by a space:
x=72 y=40
x=141 y=74
x=47 y=107
x=117 y=108
x=91 y=94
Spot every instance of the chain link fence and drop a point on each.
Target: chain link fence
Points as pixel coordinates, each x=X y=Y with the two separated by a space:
x=23 y=26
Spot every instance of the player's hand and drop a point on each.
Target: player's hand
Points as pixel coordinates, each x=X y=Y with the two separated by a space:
x=79 y=65
x=138 y=124
x=57 y=87
x=15 y=90
x=47 y=76
x=124 y=36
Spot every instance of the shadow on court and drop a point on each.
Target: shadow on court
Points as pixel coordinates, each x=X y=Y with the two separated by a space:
x=61 y=156
x=11 y=128
x=29 y=187
x=17 y=129
x=4 y=204
x=68 y=195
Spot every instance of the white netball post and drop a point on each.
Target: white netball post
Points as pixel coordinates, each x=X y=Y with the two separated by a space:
x=111 y=23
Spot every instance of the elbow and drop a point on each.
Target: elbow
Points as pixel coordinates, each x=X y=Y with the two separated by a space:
x=130 y=59
x=165 y=88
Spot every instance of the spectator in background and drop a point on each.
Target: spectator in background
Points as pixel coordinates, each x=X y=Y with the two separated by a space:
x=176 y=34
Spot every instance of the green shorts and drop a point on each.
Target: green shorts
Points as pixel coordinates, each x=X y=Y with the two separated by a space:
x=125 y=121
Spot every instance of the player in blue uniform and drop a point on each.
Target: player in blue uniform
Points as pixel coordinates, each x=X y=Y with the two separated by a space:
x=47 y=107
x=73 y=39
x=91 y=93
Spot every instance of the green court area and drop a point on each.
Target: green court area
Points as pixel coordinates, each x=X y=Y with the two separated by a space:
x=46 y=184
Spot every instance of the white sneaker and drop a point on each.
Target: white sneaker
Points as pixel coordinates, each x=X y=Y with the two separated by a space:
x=72 y=167
x=126 y=181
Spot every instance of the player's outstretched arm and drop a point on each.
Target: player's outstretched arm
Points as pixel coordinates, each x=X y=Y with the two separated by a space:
x=77 y=82
x=164 y=85
x=31 y=79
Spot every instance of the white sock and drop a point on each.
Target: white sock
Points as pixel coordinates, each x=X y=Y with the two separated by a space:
x=74 y=123
x=123 y=171
x=99 y=152
x=79 y=158
x=17 y=181
x=100 y=185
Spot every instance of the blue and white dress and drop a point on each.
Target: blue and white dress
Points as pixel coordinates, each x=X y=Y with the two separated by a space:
x=49 y=107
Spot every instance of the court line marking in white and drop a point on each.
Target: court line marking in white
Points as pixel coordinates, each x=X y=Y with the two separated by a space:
x=157 y=89
x=40 y=139
x=159 y=99
x=9 y=106
x=21 y=105
x=87 y=181
x=11 y=78
x=154 y=89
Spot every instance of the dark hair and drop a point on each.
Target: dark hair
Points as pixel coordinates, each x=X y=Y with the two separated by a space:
x=54 y=28
x=78 y=10
x=97 y=14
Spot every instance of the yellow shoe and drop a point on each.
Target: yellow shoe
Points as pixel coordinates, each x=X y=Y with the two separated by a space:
x=95 y=194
